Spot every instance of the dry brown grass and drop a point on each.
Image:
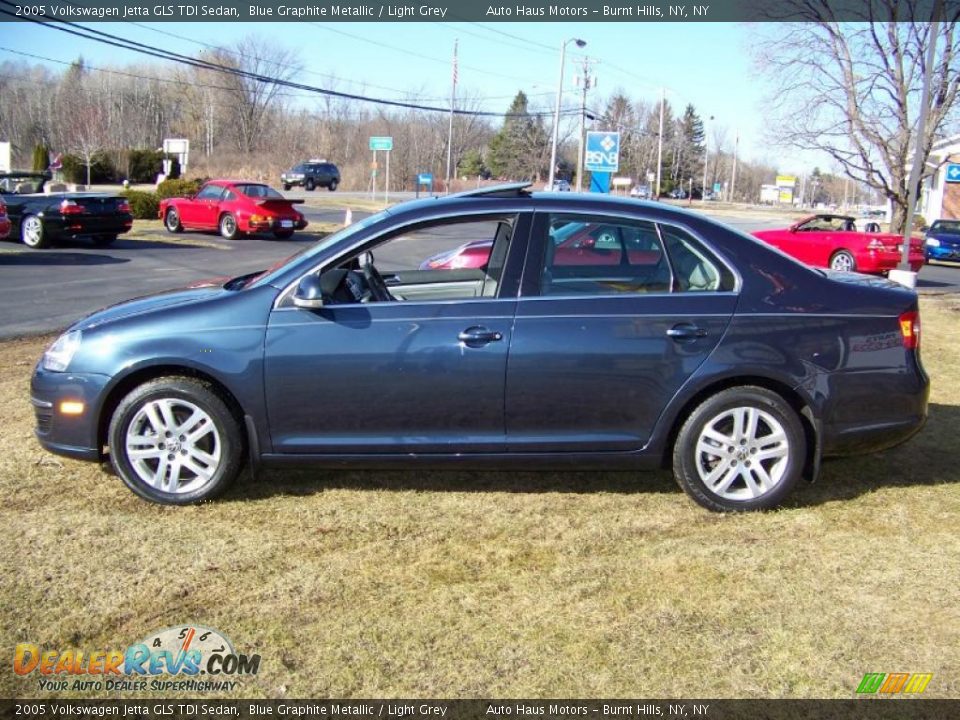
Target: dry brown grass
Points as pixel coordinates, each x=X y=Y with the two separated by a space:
x=463 y=584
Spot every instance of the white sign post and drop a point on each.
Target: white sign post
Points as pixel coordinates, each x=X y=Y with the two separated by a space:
x=5 y=157
x=179 y=147
x=384 y=143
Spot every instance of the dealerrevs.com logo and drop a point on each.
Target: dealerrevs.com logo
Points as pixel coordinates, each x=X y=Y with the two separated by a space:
x=185 y=658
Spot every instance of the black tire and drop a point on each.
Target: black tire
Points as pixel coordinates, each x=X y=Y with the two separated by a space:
x=179 y=392
x=843 y=261
x=333 y=185
x=104 y=240
x=309 y=185
x=171 y=221
x=32 y=232
x=690 y=463
x=283 y=234
x=286 y=188
x=228 y=227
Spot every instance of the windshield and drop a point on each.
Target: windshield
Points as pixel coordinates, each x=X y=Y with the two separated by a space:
x=267 y=276
x=951 y=227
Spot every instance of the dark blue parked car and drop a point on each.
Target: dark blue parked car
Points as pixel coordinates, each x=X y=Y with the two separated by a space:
x=670 y=340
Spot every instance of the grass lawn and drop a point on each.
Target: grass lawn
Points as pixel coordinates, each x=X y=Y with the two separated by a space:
x=457 y=584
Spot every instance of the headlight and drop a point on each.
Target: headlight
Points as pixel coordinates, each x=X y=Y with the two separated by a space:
x=933 y=242
x=58 y=356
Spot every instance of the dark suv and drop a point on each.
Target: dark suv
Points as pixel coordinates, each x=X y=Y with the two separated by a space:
x=310 y=175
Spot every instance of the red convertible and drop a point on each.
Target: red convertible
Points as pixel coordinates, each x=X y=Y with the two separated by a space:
x=833 y=241
x=233 y=207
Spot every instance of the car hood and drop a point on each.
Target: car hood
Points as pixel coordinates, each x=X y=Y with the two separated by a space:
x=950 y=237
x=198 y=292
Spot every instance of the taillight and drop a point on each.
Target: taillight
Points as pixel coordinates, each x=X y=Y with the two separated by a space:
x=123 y=206
x=69 y=207
x=910 y=329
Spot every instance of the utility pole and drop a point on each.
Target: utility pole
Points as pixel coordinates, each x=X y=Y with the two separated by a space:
x=586 y=82
x=453 y=99
x=733 y=173
x=663 y=99
x=706 y=160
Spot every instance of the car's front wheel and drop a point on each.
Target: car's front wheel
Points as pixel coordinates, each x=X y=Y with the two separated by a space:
x=228 y=227
x=175 y=441
x=171 y=221
x=286 y=187
x=742 y=449
x=32 y=233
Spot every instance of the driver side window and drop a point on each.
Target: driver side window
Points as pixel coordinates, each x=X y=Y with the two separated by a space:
x=451 y=260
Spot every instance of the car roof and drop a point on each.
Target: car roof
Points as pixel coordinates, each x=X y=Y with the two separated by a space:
x=228 y=181
x=517 y=196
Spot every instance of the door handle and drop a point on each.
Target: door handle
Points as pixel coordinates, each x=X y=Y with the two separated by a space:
x=478 y=336
x=686 y=331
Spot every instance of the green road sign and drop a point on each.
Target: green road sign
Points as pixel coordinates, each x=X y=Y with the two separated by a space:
x=381 y=143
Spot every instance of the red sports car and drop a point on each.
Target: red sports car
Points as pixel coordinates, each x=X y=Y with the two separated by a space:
x=575 y=243
x=833 y=241
x=4 y=221
x=233 y=207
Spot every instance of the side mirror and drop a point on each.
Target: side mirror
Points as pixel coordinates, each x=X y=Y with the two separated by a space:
x=309 y=293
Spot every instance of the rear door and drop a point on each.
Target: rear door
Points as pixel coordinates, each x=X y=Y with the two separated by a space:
x=601 y=345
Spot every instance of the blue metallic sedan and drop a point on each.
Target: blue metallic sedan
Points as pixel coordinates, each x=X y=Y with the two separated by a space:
x=661 y=339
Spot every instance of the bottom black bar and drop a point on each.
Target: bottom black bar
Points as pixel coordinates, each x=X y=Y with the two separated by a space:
x=899 y=708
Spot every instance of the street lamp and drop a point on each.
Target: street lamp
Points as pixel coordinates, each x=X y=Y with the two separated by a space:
x=706 y=157
x=556 y=114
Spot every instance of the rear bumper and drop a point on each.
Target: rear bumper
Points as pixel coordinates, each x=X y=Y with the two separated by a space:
x=4 y=227
x=874 y=410
x=879 y=261
x=78 y=226
x=272 y=225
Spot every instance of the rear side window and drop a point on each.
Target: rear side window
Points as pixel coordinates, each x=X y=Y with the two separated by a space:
x=695 y=268
x=591 y=255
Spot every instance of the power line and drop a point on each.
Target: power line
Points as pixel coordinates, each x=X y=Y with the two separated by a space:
x=142 y=48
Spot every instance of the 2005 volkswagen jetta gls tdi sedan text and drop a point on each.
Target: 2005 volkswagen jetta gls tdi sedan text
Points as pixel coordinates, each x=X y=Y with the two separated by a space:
x=598 y=333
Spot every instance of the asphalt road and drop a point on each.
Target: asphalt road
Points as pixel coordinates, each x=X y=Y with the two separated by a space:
x=45 y=290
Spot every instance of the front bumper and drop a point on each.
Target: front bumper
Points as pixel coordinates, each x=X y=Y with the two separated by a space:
x=944 y=252
x=73 y=435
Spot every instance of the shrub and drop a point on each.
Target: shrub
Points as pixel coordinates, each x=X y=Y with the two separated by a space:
x=177 y=188
x=41 y=158
x=143 y=205
x=101 y=169
x=145 y=165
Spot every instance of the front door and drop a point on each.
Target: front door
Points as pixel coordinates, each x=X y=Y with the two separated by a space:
x=422 y=373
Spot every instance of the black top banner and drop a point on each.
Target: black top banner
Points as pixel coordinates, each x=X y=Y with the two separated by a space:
x=567 y=11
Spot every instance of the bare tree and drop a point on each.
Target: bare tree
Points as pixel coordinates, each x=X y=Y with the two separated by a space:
x=84 y=116
x=852 y=90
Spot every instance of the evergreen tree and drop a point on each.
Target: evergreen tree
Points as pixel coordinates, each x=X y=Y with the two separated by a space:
x=41 y=157
x=517 y=150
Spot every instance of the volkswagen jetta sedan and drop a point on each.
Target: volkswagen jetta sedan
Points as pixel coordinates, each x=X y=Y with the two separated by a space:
x=708 y=352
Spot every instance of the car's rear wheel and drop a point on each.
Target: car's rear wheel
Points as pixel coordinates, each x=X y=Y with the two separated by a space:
x=283 y=234
x=309 y=184
x=171 y=221
x=843 y=261
x=228 y=226
x=174 y=441
x=32 y=234
x=742 y=449
x=333 y=185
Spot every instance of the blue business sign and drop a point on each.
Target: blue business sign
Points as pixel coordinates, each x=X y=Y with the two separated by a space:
x=953 y=172
x=425 y=178
x=602 y=152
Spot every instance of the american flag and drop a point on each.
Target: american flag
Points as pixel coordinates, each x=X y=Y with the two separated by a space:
x=455 y=61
